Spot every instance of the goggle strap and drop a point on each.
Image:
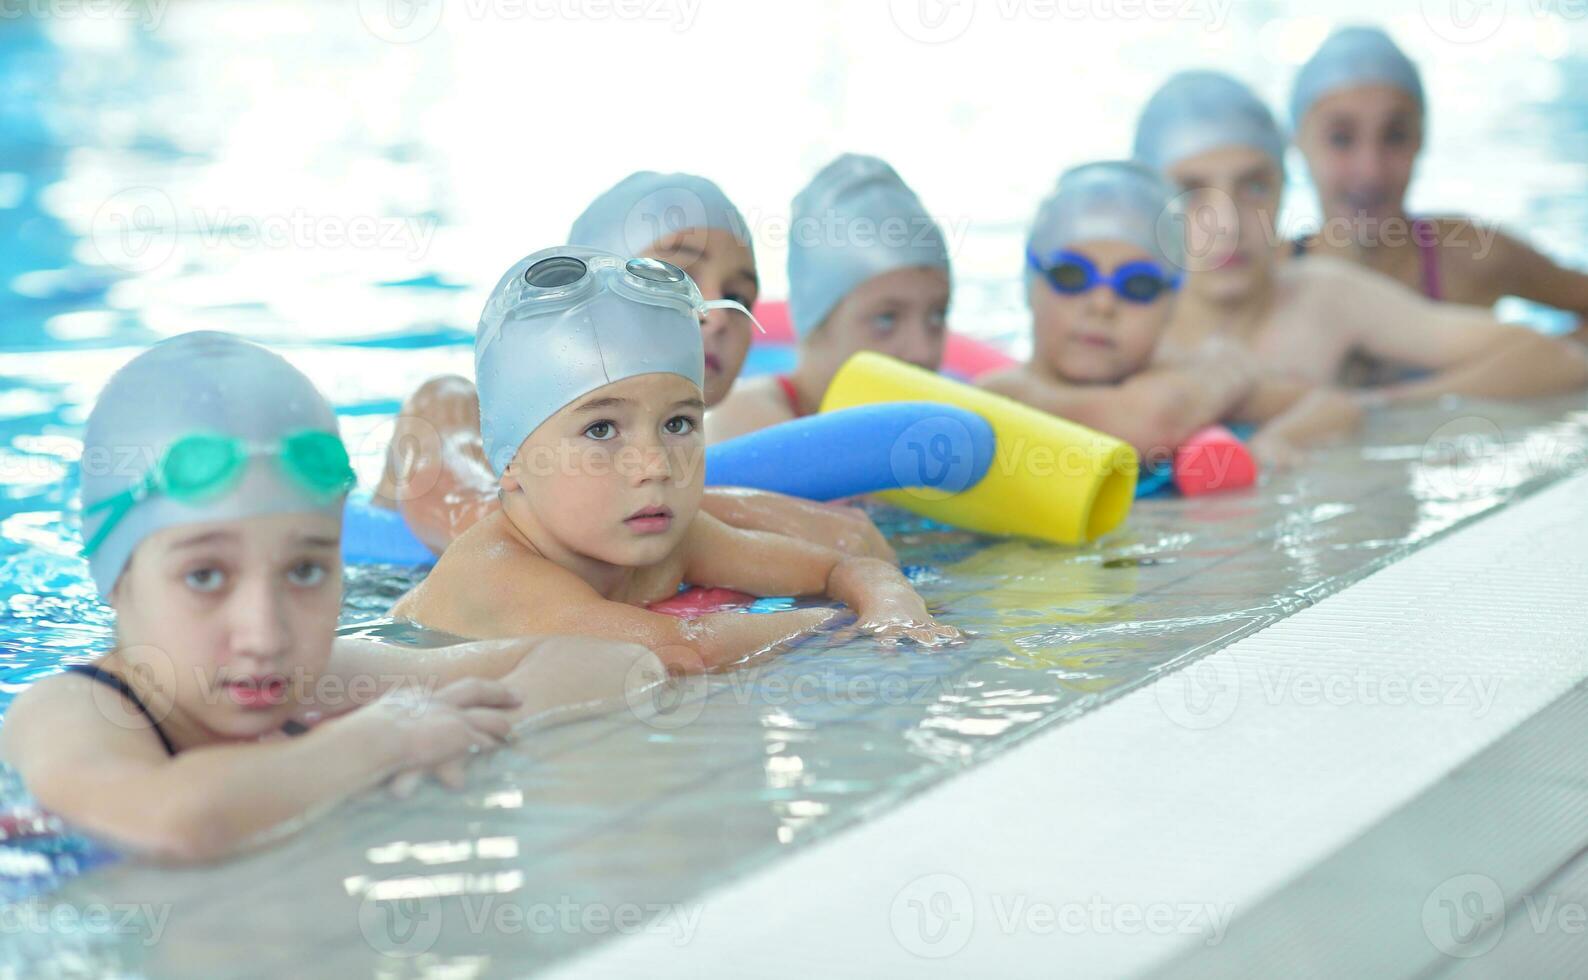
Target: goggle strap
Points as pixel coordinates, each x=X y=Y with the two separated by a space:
x=728 y=304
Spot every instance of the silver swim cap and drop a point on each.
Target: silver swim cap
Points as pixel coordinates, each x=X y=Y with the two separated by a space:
x=1113 y=200
x=201 y=383
x=645 y=207
x=568 y=320
x=1351 y=57
x=854 y=221
x=1198 y=111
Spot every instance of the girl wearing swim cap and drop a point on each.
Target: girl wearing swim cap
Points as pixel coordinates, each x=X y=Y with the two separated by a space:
x=212 y=486
x=1359 y=112
x=436 y=473
x=868 y=271
x=590 y=383
x=1104 y=263
x=1304 y=320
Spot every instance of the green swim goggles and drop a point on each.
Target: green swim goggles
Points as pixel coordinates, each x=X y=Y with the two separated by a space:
x=202 y=466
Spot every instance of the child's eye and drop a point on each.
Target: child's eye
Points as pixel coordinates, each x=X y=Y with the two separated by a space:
x=307 y=574
x=1340 y=140
x=938 y=320
x=205 y=579
x=1256 y=187
x=601 y=431
x=1396 y=137
x=885 y=322
x=679 y=425
x=741 y=299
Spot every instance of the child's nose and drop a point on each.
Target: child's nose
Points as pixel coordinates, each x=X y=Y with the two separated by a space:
x=260 y=630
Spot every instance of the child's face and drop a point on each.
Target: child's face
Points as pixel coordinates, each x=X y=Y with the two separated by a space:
x=617 y=475
x=723 y=268
x=1098 y=337
x=903 y=314
x=1231 y=219
x=231 y=618
x=1361 y=144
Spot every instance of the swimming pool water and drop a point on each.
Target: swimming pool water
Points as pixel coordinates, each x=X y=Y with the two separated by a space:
x=155 y=181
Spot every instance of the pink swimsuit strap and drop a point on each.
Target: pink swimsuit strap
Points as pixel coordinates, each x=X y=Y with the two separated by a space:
x=1425 y=233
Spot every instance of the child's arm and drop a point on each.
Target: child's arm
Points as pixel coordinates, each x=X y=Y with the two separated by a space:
x=1471 y=352
x=773 y=564
x=845 y=529
x=1526 y=272
x=558 y=601
x=1313 y=416
x=1155 y=410
x=554 y=678
x=118 y=783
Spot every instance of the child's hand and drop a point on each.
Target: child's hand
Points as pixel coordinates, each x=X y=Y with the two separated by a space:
x=903 y=619
x=1274 y=454
x=437 y=731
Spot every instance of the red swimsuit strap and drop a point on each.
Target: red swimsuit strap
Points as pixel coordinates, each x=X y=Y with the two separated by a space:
x=791 y=393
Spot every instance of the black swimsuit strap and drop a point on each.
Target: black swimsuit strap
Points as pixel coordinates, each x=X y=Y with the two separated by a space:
x=125 y=690
x=1298 y=248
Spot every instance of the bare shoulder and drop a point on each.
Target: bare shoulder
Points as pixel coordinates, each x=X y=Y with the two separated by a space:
x=753 y=404
x=476 y=587
x=1008 y=381
x=68 y=716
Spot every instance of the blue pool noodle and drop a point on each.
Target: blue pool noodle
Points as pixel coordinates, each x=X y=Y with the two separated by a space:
x=830 y=456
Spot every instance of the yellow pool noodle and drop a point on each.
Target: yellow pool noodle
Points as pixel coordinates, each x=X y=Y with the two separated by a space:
x=1049 y=478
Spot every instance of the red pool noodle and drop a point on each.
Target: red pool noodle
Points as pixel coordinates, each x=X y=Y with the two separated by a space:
x=1213 y=459
x=699 y=602
x=962 y=355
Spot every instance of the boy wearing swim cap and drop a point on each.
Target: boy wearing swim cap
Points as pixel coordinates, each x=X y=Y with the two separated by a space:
x=1104 y=261
x=1303 y=320
x=868 y=271
x=436 y=474
x=212 y=486
x=1358 y=113
x=590 y=376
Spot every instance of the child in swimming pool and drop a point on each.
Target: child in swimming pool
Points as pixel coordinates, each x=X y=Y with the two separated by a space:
x=436 y=473
x=1357 y=112
x=868 y=270
x=590 y=394
x=212 y=483
x=1303 y=321
x=1101 y=278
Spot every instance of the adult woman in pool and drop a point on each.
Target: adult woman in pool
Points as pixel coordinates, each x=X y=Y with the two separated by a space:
x=436 y=473
x=1358 y=113
x=212 y=485
x=1303 y=320
x=868 y=270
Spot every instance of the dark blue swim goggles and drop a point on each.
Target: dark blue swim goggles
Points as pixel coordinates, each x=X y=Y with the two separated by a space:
x=1072 y=273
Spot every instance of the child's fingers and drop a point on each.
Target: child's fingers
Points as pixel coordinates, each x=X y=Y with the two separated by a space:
x=477 y=692
x=494 y=722
x=403 y=784
x=453 y=774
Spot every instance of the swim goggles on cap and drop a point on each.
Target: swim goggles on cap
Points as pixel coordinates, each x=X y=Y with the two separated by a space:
x=563 y=280
x=203 y=465
x=1072 y=273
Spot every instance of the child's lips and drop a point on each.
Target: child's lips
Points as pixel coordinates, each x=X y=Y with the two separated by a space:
x=651 y=520
x=1093 y=340
x=257 y=693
